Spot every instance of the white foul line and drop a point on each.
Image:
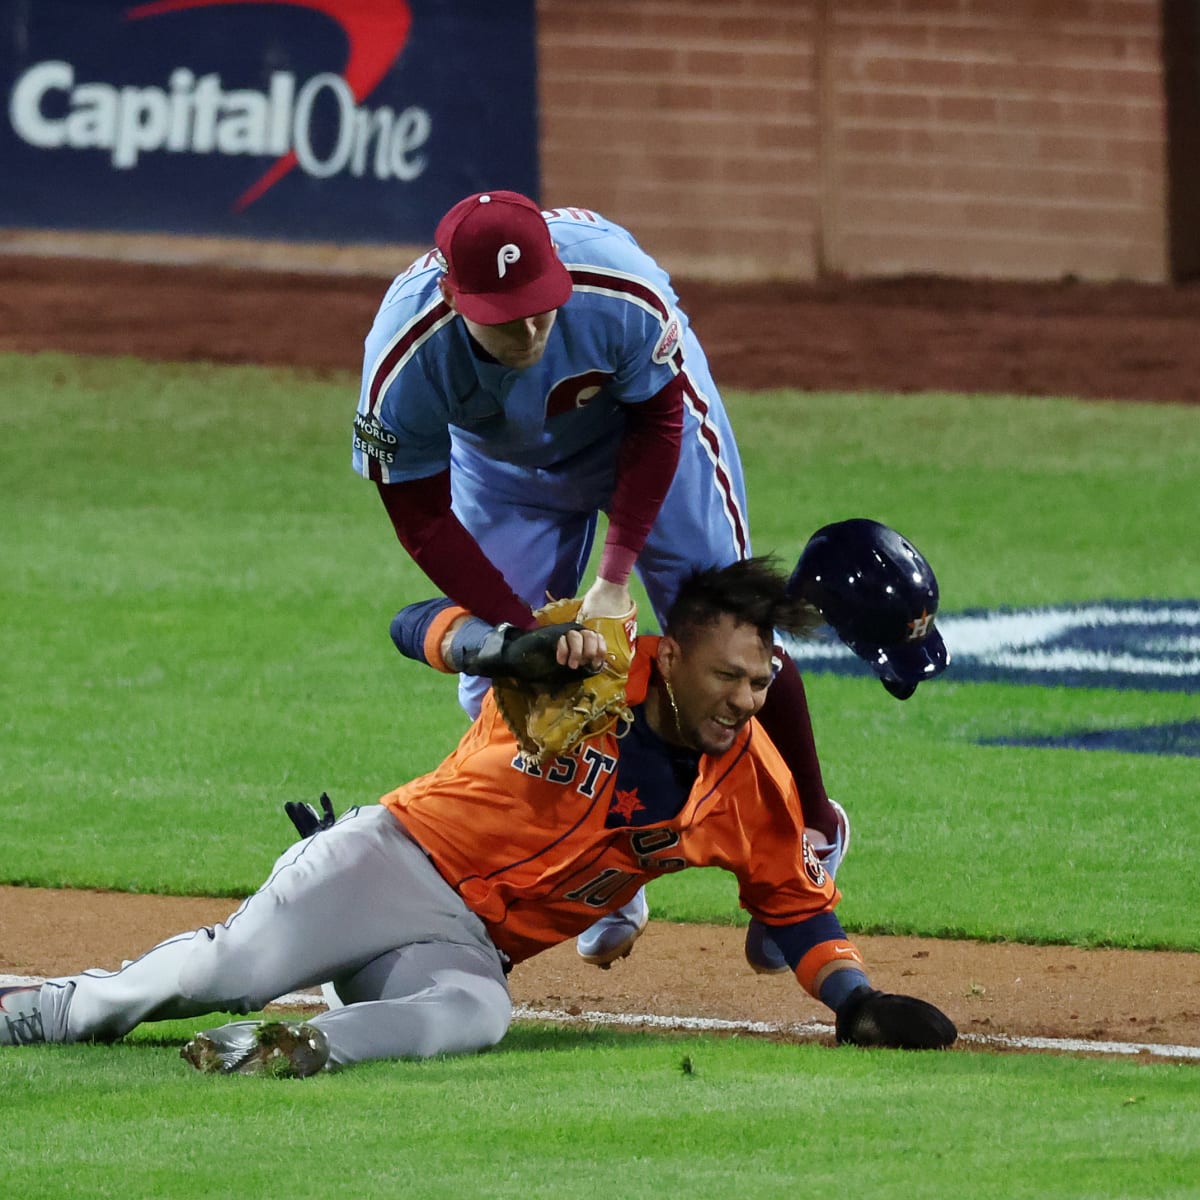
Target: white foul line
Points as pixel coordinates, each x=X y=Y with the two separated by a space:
x=800 y=1029
x=816 y=1029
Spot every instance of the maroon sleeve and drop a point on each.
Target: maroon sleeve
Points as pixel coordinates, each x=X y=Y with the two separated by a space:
x=441 y=546
x=784 y=715
x=646 y=463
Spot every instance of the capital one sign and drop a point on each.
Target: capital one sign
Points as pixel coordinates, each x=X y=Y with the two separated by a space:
x=301 y=118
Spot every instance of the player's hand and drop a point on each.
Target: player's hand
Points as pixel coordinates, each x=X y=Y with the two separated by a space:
x=306 y=819
x=873 y=1018
x=551 y=655
x=606 y=599
x=582 y=648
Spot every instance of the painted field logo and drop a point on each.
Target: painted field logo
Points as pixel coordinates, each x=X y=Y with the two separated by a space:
x=1149 y=645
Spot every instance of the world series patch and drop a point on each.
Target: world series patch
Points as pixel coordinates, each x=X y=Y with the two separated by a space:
x=373 y=440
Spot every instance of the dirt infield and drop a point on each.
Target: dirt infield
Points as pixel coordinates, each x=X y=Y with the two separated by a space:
x=1120 y=342
x=1127 y=342
x=698 y=971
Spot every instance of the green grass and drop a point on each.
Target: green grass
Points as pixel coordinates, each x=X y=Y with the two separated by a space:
x=195 y=597
x=563 y=1114
x=1033 y=845
x=197 y=591
x=1015 y=501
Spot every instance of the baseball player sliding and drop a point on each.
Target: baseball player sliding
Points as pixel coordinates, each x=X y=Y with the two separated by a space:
x=531 y=372
x=417 y=907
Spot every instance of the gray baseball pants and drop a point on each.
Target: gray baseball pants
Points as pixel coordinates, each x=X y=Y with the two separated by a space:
x=360 y=904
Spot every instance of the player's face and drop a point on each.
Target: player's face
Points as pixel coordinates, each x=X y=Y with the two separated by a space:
x=517 y=344
x=720 y=680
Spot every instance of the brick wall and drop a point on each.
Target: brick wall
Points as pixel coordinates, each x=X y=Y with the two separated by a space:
x=694 y=121
x=790 y=138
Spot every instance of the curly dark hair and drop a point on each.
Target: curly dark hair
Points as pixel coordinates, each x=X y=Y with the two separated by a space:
x=752 y=591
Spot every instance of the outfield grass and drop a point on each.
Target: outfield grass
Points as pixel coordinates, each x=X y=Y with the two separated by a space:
x=196 y=592
x=560 y=1115
x=1016 y=501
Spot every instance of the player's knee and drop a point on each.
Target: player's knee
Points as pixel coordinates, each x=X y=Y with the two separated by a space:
x=498 y=1016
x=479 y=1013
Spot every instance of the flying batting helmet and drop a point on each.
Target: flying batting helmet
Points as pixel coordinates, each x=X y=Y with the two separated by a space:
x=879 y=594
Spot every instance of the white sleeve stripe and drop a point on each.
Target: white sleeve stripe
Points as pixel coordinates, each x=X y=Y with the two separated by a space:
x=710 y=441
x=392 y=359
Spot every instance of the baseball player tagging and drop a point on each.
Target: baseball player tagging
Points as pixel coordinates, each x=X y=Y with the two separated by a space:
x=417 y=906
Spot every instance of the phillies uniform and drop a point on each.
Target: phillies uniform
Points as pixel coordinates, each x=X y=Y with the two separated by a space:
x=532 y=453
x=417 y=906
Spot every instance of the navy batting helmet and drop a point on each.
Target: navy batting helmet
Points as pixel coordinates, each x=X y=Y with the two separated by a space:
x=875 y=588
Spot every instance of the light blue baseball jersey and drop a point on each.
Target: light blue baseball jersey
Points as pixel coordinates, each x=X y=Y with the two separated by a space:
x=532 y=453
x=620 y=338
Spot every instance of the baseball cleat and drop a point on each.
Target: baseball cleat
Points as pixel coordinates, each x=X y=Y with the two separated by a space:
x=21 y=1016
x=612 y=937
x=282 y=1049
x=761 y=951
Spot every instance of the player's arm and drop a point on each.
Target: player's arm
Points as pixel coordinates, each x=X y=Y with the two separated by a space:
x=827 y=964
x=646 y=462
x=830 y=968
x=402 y=443
x=440 y=545
x=784 y=887
x=448 y=638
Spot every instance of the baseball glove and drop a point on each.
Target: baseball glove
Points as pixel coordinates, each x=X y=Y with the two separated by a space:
x=552 y=719
x=872 y=1018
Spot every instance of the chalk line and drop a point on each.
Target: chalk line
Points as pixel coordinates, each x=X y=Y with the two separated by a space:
x=800 y=1029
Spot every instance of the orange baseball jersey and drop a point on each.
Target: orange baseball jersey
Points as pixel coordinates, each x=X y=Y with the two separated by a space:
x=540 y=853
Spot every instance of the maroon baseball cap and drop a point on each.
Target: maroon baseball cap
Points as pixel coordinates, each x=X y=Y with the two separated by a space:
x=500 y=260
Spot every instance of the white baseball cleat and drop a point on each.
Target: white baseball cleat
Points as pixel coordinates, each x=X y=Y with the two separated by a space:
x=21 y=1016
x=831 y=856
x=612 y=936
x=283 y=1049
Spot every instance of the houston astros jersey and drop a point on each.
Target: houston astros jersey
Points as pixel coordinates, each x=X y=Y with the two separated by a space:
x=619 y=339
x=540 y=853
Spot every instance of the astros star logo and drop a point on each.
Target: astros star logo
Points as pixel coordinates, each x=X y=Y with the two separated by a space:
x=625 y=804
x=919 y=626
